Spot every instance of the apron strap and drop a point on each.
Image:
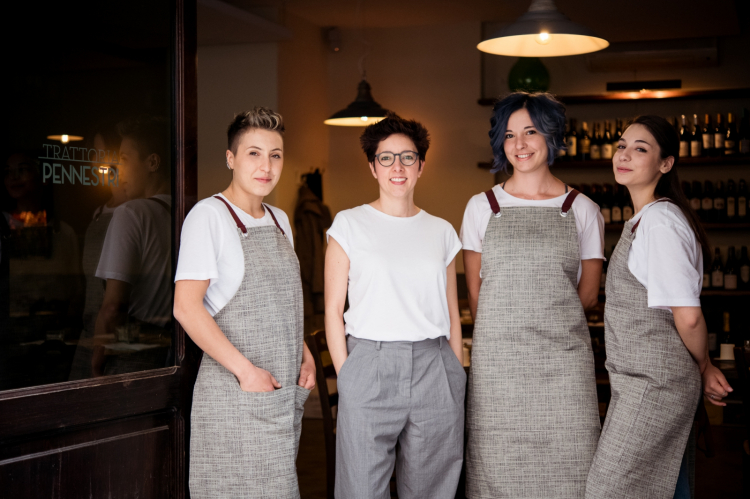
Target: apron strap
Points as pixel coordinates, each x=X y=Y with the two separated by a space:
x=568 y=201
x=635 y=225
x=493 y=202
x=239 y=223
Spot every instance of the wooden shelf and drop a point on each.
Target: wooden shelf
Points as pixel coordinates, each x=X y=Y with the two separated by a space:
x=707 y=226
x=607 y=163
x=731 y=93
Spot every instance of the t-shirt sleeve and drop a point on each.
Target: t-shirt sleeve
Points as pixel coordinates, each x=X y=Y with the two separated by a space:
x=470 y=233
x=339 y=230
x=591 y=238
x=673 y=276
x=121 y=253
x=452 y=246
x=200 y=245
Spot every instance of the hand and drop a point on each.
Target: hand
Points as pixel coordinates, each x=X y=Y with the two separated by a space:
x=715 y=386
x=259 y=380
x=307 y=374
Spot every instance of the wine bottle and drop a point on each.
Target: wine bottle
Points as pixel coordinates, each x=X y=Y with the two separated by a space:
x=744 y=265
x=717 y=271
x=596 y=194
x=617 y=136
x=607 y=149
x=706 y=284
x=571 y=140
x=727 y=336
x=719 y=203
x=584 y=143
x=684 y=138
x=563 y=152
x=720 y=134
x=617 y=198
x=731 y=203
x=707 y=203
x=606 y=203
x=730 y=270
x=730 y=141
x=708 y=137
x=596 y=146
x=627 y=208
x=696 y=196
x=744 y=135
x=742 y=202
x=696 y=139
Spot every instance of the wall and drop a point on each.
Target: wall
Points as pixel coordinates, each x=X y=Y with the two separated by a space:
x=231 y=79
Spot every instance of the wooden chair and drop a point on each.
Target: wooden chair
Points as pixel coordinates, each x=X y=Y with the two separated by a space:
x=324 y=370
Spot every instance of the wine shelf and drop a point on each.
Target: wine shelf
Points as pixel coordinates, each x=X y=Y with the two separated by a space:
x=707 y=226
x=607 y=163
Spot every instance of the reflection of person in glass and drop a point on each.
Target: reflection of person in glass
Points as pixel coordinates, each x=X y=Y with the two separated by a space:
x=239 y=297
x=105 y=139
x=136 y=256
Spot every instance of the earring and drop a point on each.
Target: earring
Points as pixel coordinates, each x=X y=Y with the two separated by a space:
x=228 y=165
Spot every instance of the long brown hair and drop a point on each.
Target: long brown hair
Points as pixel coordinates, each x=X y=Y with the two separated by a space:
x=669 y=184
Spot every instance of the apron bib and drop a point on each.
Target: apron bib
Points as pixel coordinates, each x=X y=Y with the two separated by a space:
x=532 y=417
x=244 y=444
x=656 y=386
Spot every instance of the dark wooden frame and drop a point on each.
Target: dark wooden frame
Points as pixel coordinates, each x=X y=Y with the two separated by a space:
x=166 y=393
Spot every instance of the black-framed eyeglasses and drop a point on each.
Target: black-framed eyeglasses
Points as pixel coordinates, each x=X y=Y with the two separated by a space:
x=407 y=158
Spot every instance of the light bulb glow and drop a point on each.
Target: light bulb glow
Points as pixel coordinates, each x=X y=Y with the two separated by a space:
x=543 y=38
x=64 y=139
x=364 y=118
x=103 y=169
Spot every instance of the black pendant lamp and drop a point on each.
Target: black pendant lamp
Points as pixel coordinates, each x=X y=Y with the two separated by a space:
x=362 y=112
x=543 y=32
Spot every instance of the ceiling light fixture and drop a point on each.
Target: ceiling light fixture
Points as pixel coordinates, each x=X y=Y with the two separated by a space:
x=543 y=32
x=65 y=138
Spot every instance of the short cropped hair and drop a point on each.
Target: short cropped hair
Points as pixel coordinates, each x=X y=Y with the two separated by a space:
x=393 y=124
x=151 y=136
x=547 y=115
x=258 y=118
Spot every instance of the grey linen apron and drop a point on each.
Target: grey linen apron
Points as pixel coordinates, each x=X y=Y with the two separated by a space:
x=532 y=417
x=244 y=444
x=656 y=386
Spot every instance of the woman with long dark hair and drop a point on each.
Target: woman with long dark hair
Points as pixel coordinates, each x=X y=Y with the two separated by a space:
x=657 y=354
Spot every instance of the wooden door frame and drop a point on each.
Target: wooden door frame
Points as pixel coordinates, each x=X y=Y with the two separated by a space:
x=47 y=409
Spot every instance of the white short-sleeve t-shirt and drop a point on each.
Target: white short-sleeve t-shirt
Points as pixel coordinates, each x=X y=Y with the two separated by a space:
x=210 y=248
x=397 y=273
x=666 y=257
x=589 y=221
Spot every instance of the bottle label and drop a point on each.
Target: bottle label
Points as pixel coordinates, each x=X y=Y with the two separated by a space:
x=572 y=146
x=729 y=146
x=707 y=141
x=742 y=206
x=707 y=204
x=730 y=207
x=607 y=214
x=717 y=279
x=607 y=151
x=695 y=204
x=627 y=213
x=616 y=214
x=719 y=203
x=730 y=281
x=745 y=146
x=596 y=152
x=684 y=149
x=745 y=274
x=719 y=141
x=696 y=148
x=706 y=280
x=585 y=146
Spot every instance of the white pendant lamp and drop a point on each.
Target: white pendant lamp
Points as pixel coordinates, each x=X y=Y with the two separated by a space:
x=543 y=32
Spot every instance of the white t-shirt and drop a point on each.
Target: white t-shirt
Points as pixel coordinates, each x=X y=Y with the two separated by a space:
x=397 y=273
x=589 y=221
x=666 y=257
x=138 y=250
x=210 y=248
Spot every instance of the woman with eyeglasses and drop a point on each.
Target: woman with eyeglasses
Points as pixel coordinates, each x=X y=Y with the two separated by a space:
x=533 y=251
x=397 y=349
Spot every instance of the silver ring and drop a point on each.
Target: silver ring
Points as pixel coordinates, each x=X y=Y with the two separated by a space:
x=711 y=396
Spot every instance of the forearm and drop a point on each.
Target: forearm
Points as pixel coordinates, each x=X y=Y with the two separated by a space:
x=472 y=269
x=691 y=326
x=336 y=338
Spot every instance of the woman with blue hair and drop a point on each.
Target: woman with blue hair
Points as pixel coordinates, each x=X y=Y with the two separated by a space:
x=533 y=251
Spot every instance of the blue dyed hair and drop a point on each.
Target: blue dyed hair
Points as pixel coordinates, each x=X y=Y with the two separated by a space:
x=547 y=115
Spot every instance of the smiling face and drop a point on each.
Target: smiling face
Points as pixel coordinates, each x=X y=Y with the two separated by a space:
x=397 y=180
x=525 y=148
x=637 y=161
x=257 y=162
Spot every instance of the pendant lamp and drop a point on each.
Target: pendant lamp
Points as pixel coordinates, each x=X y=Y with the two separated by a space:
x=543 y=32
x=362 y=112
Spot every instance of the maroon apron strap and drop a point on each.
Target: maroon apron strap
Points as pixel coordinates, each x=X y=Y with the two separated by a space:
x=274 y=219
x=635 y=225
x=493 y=201
x=568 y=202
x=237 y=220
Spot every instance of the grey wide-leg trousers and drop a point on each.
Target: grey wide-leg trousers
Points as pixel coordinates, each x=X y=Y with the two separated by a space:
x=410 y=393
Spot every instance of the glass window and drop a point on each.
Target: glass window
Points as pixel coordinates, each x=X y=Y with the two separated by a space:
x=86 y=226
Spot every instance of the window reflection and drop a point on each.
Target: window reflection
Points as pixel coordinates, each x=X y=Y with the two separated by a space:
x=85 y=231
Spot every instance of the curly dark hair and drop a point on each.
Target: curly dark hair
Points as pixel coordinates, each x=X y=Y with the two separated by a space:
x=393 y=124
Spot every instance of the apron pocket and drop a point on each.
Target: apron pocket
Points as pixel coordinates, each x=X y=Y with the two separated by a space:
x=265 y=426
x=622 y=431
